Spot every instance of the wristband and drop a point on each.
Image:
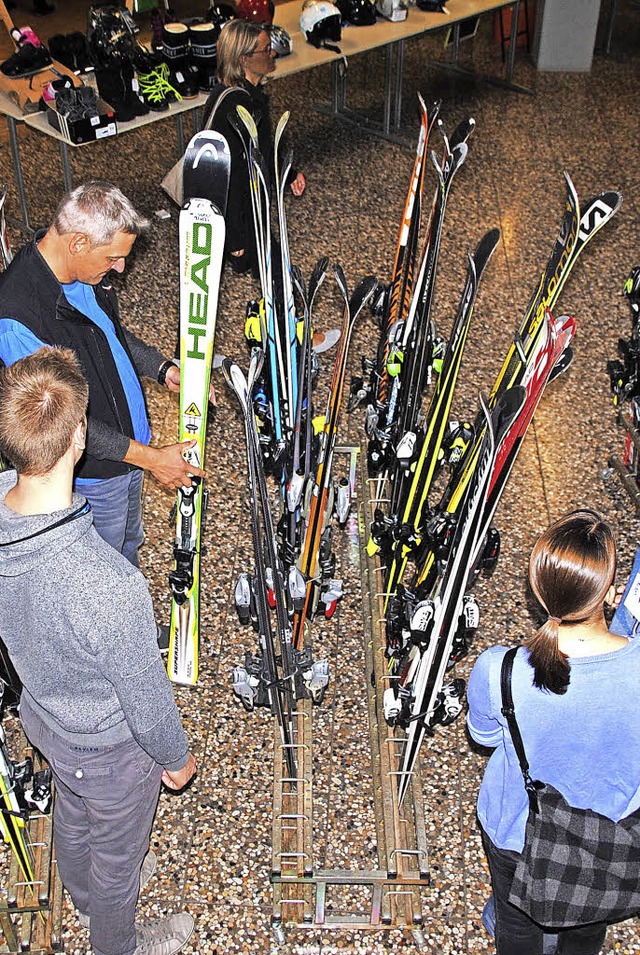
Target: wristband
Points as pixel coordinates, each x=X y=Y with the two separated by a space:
x=162 y=371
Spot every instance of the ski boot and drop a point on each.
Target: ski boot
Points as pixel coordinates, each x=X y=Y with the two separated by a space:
x=396 y=705
x=330 y=594
x=296 y=588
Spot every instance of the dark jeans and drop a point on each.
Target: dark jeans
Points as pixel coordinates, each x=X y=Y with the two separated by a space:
x=106 y=799
x=516 y=933
x=117 y=512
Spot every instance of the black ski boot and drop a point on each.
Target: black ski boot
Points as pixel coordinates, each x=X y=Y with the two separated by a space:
x=150 y=85
x=116 y=86
x=183 y=76
x=72 y=51
x=61 y=50
x=204 y=38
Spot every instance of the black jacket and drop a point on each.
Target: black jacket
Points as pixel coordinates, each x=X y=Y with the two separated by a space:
x=31 y=294
x=239 y=218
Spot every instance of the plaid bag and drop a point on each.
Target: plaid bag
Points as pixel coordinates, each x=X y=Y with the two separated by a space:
x=577 y=866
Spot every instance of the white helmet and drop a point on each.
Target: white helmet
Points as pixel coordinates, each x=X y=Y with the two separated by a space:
x=394 y=10
x=320 y=21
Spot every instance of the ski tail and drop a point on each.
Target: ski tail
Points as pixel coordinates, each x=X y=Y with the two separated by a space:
x=403 y=267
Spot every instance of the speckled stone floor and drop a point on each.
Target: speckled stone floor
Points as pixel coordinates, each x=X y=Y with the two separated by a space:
x=213 y=843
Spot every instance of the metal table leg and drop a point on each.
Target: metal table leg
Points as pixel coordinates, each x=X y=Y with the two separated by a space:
x=388 y=87
x=180 y=134
x=515 y=19
x=397 y=98
x=66 y=166
x=17 y=168
x=611 y=16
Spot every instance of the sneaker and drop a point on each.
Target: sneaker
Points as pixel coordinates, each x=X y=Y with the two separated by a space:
x=549 y=942
x=166 y=936
x=148 y=868
x=26 y=61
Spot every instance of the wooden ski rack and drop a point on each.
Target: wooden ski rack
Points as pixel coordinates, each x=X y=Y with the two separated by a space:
x=394 y=891
x=32 y=921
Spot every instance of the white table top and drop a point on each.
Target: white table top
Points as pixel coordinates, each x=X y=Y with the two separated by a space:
x=304 y=56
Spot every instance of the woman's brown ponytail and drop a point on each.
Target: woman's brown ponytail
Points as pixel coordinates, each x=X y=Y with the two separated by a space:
x=572 y=566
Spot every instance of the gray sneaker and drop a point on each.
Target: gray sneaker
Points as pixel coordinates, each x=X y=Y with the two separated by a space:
x=166 y=936
x=147 y=869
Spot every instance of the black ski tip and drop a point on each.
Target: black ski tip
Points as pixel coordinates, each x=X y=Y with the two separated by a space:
x=319 y=272
x=434 y=110
x=207 y=168
x=485 y=249
x=363 y=292
x=298 y=281
x=461 y=133
x=320 y=269
x=562 y=364
x=341 y=281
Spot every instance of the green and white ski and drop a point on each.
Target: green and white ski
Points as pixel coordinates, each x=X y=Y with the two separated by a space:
x=202 y=234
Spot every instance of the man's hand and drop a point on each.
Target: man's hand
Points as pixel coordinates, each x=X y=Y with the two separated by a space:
x=178 y=779
x=299 y=185
x=169 y=466
x=166 y=464
x=172 y=381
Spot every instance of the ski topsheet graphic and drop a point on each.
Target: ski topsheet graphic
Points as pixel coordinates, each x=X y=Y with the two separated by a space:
x=202 y=233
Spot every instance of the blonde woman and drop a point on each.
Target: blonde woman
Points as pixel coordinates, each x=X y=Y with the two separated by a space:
x=245 y=59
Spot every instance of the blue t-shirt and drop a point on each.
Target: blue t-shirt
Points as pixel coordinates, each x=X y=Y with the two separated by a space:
x=626 y=621
x=17 y=341
x=585 y=743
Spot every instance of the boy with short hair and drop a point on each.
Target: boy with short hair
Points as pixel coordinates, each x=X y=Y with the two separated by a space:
x=77 y=620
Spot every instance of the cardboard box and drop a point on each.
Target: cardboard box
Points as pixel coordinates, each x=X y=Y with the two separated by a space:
x=84 y=130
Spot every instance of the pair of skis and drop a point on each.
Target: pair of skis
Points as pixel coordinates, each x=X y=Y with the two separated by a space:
x=202 y=233
x=391 y=423
x=407 y=536
x=317 y=522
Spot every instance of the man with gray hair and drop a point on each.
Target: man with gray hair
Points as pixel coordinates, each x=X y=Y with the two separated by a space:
x=57 y=292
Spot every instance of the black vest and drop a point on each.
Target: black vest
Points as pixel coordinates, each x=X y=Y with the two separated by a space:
x=31 y=294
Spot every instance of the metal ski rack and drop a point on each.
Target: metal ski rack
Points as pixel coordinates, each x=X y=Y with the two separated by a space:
x=301 y=892
x=628 y=474
x=32 y=921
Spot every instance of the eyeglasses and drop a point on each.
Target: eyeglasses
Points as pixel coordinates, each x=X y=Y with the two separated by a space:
x=261 y=49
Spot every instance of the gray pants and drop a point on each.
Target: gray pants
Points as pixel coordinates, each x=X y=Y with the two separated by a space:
x=106 y=799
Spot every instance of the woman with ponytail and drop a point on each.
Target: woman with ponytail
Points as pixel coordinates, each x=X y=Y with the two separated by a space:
x=575 y=687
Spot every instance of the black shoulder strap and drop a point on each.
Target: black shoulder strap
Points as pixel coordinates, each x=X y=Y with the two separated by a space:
x=508 y=711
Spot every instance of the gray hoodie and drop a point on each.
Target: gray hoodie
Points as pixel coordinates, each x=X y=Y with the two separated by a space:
x=78 y=623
